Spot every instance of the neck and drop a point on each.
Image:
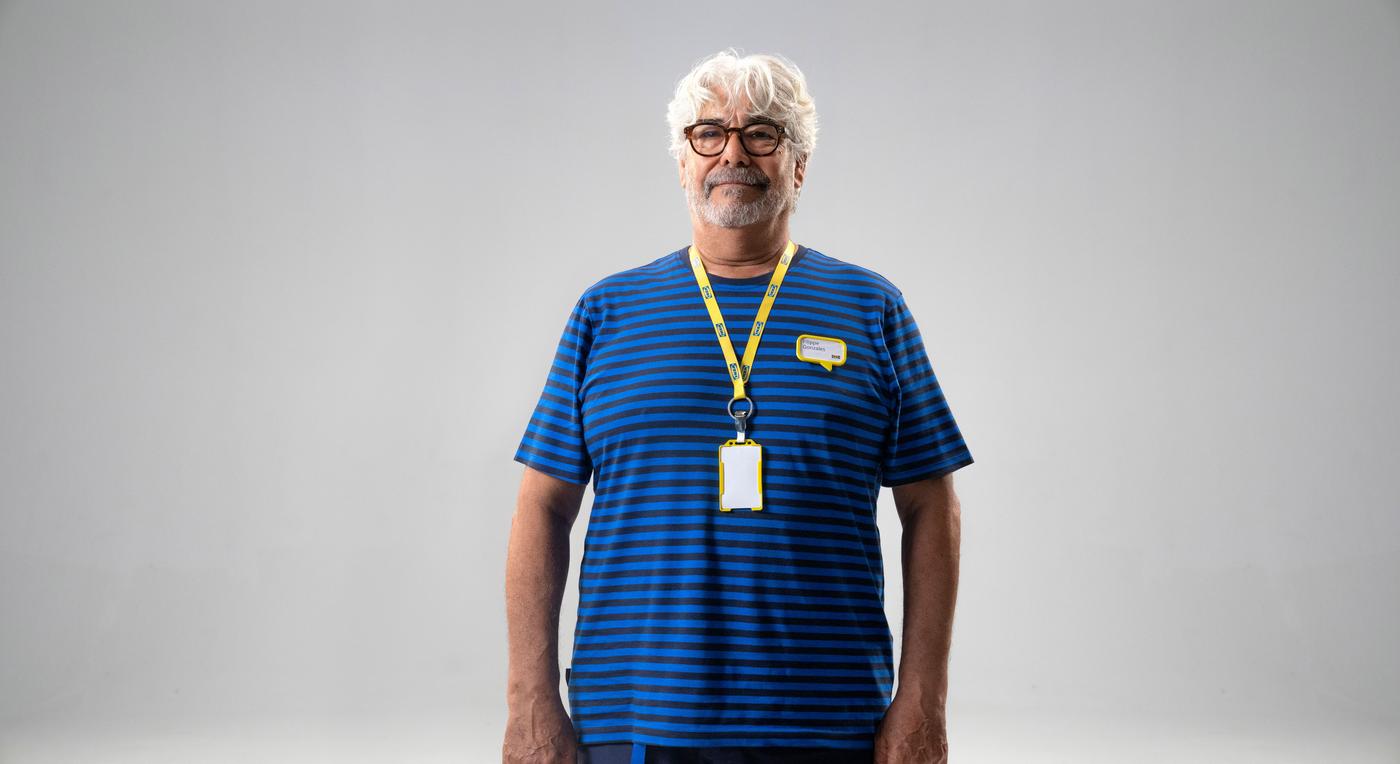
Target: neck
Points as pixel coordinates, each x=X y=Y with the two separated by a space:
x=737 y=253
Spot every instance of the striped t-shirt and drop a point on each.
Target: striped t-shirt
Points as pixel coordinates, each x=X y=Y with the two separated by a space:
x=698 y=627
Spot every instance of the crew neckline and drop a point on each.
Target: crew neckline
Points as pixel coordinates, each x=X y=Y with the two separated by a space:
x=683 y=256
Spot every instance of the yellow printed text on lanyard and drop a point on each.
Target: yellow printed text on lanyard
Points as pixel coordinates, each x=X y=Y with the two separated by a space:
x=739 y=372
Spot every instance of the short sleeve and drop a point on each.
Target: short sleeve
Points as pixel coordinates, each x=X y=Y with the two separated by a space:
x=554 y=439
x=921 y=440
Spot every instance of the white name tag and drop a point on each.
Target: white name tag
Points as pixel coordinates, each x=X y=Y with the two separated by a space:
x=825 y=351
x=740 y=476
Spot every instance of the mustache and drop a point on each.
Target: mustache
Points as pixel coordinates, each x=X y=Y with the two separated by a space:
x=735 y=175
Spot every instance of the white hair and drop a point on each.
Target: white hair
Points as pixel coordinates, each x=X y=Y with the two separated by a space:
x=773 y=85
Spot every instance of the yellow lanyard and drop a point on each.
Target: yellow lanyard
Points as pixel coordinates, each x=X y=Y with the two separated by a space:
x=739 y=373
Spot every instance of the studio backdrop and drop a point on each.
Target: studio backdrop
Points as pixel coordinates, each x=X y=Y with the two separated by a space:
x=280 y=284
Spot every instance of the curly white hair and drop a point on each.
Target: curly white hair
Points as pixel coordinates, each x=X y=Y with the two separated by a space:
x=774 y=86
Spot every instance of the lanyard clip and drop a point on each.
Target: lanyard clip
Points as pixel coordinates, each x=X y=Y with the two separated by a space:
x=741 y=418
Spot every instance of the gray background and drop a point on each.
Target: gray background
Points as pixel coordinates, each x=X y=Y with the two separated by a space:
x=281 y=282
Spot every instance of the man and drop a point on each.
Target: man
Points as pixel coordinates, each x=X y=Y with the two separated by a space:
x=738 y=402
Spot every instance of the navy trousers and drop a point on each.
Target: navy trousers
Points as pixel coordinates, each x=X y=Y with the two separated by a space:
x=637 y=753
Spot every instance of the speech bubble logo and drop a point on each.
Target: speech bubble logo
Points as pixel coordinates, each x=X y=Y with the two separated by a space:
x=826 y=352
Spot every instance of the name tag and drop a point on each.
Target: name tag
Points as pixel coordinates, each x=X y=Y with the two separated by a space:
x=824 y=351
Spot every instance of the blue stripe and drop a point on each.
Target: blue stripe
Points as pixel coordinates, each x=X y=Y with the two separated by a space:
x=702 y=628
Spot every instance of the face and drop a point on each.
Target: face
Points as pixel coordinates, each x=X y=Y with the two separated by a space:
x=735 y=189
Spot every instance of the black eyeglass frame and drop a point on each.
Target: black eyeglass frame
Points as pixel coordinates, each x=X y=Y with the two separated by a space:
x=782 y=131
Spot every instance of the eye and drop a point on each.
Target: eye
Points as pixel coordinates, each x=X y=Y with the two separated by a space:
x=706 y=131
x=762 y=132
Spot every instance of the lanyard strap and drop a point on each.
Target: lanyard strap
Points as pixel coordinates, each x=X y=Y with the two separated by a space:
x=739 y=373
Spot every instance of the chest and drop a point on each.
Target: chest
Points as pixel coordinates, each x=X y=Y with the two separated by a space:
x=660 y=382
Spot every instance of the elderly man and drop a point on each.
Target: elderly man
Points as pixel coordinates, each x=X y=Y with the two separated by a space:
x=738 y=403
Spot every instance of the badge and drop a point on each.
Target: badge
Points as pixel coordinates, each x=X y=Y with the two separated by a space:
x=823 y=351
x=740 y=475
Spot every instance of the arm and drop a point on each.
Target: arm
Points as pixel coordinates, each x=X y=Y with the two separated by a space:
x=537 y=569
x=932 y=520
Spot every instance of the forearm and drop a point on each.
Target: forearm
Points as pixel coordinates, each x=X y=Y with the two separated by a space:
x=930 y=547
x=537 y=569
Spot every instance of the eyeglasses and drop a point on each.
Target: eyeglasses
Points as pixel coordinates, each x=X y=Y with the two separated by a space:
x=759 y=138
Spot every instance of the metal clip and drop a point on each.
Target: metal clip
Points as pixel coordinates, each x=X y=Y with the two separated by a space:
x=741 y=418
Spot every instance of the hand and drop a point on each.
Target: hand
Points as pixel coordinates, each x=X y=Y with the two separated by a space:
x=539 y=732
x=911 y=734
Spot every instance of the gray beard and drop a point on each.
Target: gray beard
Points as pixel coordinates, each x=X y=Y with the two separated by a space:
x=770 y=203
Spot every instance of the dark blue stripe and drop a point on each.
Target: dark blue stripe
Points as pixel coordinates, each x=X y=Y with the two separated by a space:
x=705 y=628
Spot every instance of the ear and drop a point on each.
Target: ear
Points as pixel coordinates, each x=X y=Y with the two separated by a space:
x=799 y=171
x=680 y=168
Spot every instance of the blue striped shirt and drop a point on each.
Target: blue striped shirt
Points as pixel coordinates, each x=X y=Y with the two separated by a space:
x=698 y=627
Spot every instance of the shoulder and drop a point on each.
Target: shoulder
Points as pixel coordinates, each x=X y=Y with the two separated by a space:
x=630 y=280
x=847 y=276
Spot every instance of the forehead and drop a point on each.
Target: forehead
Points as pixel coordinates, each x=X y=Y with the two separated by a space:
x=728 y=108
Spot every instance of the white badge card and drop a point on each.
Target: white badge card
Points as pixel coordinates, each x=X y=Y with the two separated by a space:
x=740 y=475
x=823 y=351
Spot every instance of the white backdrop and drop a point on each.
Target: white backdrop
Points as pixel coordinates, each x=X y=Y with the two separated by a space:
x=281 y=281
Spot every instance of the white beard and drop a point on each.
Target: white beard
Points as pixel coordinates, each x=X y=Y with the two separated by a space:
x=736 y=214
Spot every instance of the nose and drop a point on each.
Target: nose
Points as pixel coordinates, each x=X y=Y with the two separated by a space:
x=734 y=153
